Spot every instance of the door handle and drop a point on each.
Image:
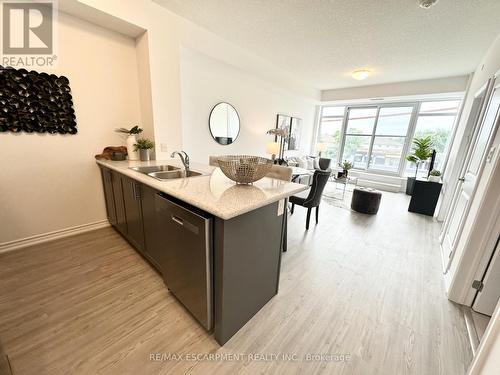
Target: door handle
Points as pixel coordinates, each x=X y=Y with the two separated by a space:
x=136 y=191
x=462 y=179
x=178 y=220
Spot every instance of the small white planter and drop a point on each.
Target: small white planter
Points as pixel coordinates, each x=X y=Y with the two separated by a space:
x=434 y=178
x=131 y=141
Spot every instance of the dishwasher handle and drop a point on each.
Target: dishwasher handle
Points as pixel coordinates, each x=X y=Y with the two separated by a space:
x=178 y=220
x=182 y=216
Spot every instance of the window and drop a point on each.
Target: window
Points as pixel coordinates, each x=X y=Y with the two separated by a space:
x=360 y=124
x=330 y=130
x=378 y=137
x=375 y=137
x=390 y=138
x=435 y=119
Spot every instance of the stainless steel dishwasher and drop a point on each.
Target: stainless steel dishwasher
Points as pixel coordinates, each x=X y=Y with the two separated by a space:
x=187 y=256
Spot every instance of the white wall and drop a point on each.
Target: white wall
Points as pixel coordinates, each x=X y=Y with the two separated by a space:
x=51 y=182
x=206 y=81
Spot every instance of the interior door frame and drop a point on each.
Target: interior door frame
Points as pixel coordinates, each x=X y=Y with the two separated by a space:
x=488 y=88
x=461 y=284
x=474 y=259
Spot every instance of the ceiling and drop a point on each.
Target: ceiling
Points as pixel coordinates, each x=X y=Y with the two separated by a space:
x=323 y=41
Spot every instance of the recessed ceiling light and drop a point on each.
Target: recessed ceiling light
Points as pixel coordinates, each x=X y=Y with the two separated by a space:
x=361 y=74
x=426 y=4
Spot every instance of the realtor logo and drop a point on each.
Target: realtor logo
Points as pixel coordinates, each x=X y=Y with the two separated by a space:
x=28 y=33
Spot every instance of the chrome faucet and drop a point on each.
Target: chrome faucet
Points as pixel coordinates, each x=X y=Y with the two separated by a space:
x=184 y=158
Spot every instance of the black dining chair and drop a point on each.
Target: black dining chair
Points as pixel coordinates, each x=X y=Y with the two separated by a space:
x=324 y=164
x=313 y=199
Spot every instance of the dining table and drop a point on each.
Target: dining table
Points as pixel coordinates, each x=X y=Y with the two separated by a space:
x=298 y=172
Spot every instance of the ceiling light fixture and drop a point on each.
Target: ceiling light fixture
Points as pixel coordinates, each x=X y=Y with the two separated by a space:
x=361 y=74
x=426 y=4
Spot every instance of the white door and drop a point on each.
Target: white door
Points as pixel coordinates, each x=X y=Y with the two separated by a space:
x=487 y=298
x=466 y=188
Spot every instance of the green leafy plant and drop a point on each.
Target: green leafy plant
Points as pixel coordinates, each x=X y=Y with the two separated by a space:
x=435 y=172
x=346 y=165
x=422 y=150
x=132 y=131
x=143 y=144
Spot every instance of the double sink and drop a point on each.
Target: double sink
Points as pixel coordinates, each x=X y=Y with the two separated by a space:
x=166 y=172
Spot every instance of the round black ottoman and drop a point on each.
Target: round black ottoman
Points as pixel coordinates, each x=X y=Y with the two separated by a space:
x=366 y=200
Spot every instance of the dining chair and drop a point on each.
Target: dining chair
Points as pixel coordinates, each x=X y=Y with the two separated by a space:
x=213 y=160
x=313 y=199
x=324 y=164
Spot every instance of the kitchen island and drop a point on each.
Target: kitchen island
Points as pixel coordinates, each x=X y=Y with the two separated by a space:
x=216 y=244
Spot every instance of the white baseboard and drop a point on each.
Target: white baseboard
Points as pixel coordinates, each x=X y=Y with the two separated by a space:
x=380 y=185
x=50 y=236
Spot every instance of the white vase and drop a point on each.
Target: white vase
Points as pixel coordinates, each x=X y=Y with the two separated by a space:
x=434 y=178
x=131 y=141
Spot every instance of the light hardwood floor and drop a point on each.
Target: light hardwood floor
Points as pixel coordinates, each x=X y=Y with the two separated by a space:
x=369 y=287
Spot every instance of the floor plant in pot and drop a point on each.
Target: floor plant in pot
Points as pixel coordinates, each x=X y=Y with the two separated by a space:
x=144 y=147
x=422 y=150
x=131 y=140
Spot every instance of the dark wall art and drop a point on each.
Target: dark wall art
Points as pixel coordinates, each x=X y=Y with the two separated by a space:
x=35 y=102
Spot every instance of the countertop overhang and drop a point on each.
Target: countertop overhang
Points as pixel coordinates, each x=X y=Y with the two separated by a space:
x=213 y=192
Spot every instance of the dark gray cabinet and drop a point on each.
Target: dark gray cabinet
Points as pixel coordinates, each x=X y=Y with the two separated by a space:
x=219 y=269
x=108 y=195
x=113 y=195
x=121 y=220
x=425 y=197
x=130 y=207
x=154 y=236
x=133 y=212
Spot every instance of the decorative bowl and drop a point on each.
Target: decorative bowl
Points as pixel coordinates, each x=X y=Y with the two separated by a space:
x=244 y=169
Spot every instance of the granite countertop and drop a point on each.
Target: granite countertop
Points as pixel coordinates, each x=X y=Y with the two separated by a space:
x=213 y=192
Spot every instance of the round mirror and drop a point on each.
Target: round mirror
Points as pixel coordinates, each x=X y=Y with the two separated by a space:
x=224 y=123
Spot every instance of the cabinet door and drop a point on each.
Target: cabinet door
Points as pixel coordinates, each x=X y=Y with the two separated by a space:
x=121 y=220
x=133 y=212
x=153 y=233
x=108 y=195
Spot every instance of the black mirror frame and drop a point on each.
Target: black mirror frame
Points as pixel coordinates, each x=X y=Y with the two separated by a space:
x=239 y=124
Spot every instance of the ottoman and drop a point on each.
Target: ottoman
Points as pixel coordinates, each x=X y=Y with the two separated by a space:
x=366 y=200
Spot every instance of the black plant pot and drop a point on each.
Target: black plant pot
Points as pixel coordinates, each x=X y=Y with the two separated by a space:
x=345 y=172
x=410 y=183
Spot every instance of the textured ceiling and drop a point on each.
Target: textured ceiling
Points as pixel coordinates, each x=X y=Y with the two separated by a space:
x=322 y=41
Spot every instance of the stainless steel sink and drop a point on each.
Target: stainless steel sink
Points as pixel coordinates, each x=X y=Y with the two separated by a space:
x=169 y=175
x=155 y=168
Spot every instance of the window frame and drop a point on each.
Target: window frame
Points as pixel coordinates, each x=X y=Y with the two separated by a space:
x=410 y=133
x=320 y=120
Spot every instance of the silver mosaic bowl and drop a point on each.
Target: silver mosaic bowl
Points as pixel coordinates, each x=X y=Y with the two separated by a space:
x=244 y=169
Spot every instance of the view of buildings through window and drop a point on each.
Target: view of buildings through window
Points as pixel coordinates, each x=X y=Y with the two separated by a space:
x=377 y=138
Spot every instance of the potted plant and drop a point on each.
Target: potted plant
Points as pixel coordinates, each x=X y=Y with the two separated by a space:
x=434 y=176
x=345 y=165
x=144 y=145
x=422 y=150
x=131 y=140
